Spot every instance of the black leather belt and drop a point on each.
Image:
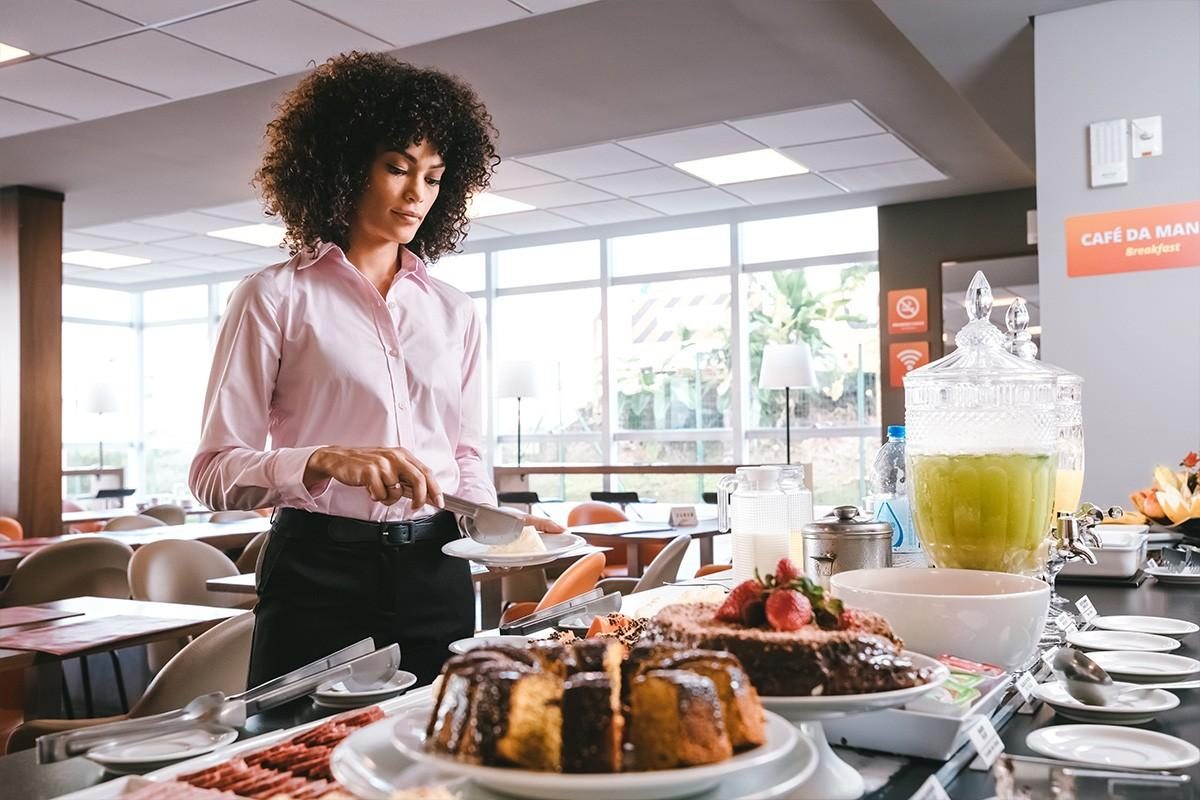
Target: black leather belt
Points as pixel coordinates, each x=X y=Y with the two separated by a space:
x=442 y=526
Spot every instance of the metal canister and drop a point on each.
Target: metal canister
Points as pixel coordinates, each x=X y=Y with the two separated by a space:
x=843 y=541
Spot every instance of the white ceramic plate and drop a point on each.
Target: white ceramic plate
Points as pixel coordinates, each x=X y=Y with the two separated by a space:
x=370 y=766
x=1134 y=709
x=1163 y=626
x=836 y=705
x=408 y=735
x=1131 y=748
x=1145 y=667
x=1165 y=575
x=334 y=694
x=557 y=545
x=1122 y=640
x=153 y=753
x=463 y=645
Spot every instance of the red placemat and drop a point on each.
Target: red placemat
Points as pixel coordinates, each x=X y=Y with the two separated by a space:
x=23 y=615
x=88 y=634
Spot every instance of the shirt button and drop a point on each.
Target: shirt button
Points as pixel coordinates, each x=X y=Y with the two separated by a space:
x=392 y=305
x=400 y=406
x=393 y=352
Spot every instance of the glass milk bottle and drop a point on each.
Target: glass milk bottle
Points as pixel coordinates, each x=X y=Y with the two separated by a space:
x=760 y=523
x=800 y=511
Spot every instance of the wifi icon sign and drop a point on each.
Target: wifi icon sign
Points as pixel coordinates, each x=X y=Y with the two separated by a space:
x=909 y=358
x=904 y=358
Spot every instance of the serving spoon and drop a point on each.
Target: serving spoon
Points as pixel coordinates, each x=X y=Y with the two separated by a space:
x=1087 y=681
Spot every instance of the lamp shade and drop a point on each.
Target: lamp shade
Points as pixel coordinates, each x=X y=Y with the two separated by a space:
x=101 y=399
x=517 y=379
x=786 y=365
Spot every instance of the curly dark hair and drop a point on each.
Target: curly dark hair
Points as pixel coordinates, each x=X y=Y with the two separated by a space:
x=330 y=128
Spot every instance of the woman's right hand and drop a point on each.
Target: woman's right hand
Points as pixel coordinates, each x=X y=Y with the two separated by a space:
x=387 y=473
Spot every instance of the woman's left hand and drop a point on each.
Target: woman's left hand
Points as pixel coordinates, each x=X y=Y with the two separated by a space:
x=543 y=524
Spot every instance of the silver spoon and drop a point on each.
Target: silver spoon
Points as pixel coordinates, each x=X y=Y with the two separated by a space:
x=1087 y=682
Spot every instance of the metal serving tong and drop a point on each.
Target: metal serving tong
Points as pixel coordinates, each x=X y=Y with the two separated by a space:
x=486 y=524
x=360 y=665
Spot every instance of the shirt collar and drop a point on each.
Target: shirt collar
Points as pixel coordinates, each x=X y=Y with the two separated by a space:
x=410 y=263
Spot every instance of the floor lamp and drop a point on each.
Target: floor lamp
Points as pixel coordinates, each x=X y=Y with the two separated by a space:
x=785 y=366
x=517 y=379
x=101 y=400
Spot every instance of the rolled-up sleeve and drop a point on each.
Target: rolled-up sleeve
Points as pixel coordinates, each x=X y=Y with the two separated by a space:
x=232 y=469
x=473 y=481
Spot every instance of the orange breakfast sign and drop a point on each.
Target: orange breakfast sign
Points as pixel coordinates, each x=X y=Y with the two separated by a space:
x=1161 y=237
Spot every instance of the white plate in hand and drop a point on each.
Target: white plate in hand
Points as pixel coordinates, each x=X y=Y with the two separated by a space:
x=1145 y=667
x=1163 y=626
x=1135 y=708
x=152 y=753
x=1126 y=748
x=1122 y=640
x=409 y=737
x=557 y=545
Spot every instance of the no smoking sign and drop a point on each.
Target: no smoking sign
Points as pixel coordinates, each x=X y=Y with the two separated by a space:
x=907 y=311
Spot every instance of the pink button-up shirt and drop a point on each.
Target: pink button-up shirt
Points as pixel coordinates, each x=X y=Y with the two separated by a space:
x=310 y=354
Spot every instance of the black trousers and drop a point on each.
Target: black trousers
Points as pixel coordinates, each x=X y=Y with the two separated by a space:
x=317 y=595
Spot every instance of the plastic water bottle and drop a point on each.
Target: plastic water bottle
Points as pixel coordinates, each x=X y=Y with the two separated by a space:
x=889 y=494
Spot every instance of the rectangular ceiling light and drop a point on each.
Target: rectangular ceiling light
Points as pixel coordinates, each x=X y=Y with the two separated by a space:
x=98 y=259
x=261 y=234
x=8 y=52
x=754 y=165
x=487 y=204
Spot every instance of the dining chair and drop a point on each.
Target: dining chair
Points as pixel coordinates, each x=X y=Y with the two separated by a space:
x=215 y=661
x=616 y=563
x=86 y=567
x=620 y=498
x=578 y=578
x=232 y=516
x=170 y=514
x=134 y=522
x=11 y=529
x=175 y=571
x=712 y=569
x=80 y=527
x=248 y=560
x=662 y=570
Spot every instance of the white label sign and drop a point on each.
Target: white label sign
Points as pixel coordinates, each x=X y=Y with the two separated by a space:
x=986 y=740
x=1152 y=564
x=1065 y=623
x=931 y=789
x=683 y=517
x=1026 y=685
x=1049 y=655
x=1086 y=609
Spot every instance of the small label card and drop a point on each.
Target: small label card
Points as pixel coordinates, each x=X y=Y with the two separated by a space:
x=1086 y=609
x=1049 y=655
x=1152 y=564
x=931 y=789
x=1066 y=623
x=986 y=740
x=683 y=517
x=1027 y=685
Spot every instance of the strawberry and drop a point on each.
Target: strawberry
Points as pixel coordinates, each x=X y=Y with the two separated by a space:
x=786 y=572
x=851 y=619
x=743 y=597
x=788 y=610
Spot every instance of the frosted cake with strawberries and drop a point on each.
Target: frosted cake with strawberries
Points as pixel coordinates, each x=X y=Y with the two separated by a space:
x=793 y=639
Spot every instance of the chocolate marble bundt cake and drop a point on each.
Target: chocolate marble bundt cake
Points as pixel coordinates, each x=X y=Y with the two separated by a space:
x=675 y=720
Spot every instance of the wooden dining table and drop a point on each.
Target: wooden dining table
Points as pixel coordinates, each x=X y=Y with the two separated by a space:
x=633 y=533
x=70 y=518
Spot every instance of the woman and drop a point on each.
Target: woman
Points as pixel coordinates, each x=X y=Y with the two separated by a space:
x=363 y=371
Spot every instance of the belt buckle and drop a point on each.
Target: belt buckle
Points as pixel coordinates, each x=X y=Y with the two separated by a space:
x=396 y=533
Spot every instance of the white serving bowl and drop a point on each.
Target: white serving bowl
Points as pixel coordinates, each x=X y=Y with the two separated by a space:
x=1121 y=555
x=992 y=617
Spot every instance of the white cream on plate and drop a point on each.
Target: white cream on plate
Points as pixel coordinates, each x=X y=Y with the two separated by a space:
x=527 y=542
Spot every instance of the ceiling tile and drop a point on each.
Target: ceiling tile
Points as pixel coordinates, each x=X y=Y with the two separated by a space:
x=16 y=118
x=515 y=175
x=260 y=256
x=410 y=22
x=607 y=212
x=154 y=12
x=530 y=222
x=206 y=245
x=154 y=252
x=74 y=240
x=245 y=211
x=843 y=153
x=822 y=124
x=558 y=194
x=45 y=26
x=76 y=271
x=163 y=64
x=704 y=142
x=899 y=173
x=130 y=232
x=65 y=90
x=188 y=222
x=781 y=190
x=691 y=201
x=586 y=162
x=645 y=181
x=274 y=34
x=479 y=232
x=216 y=264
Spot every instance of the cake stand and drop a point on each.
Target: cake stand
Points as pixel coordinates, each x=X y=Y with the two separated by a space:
x=834 y=779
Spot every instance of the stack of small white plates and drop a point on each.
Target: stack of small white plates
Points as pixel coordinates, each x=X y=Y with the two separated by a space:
x=463 y=645
x=1124 y=748
x=148 y=754
x=335 y=694
x=1175 y=574
x=1135 y=708
x=1122 y=640
x=1138 y=667
x=1162 y=626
